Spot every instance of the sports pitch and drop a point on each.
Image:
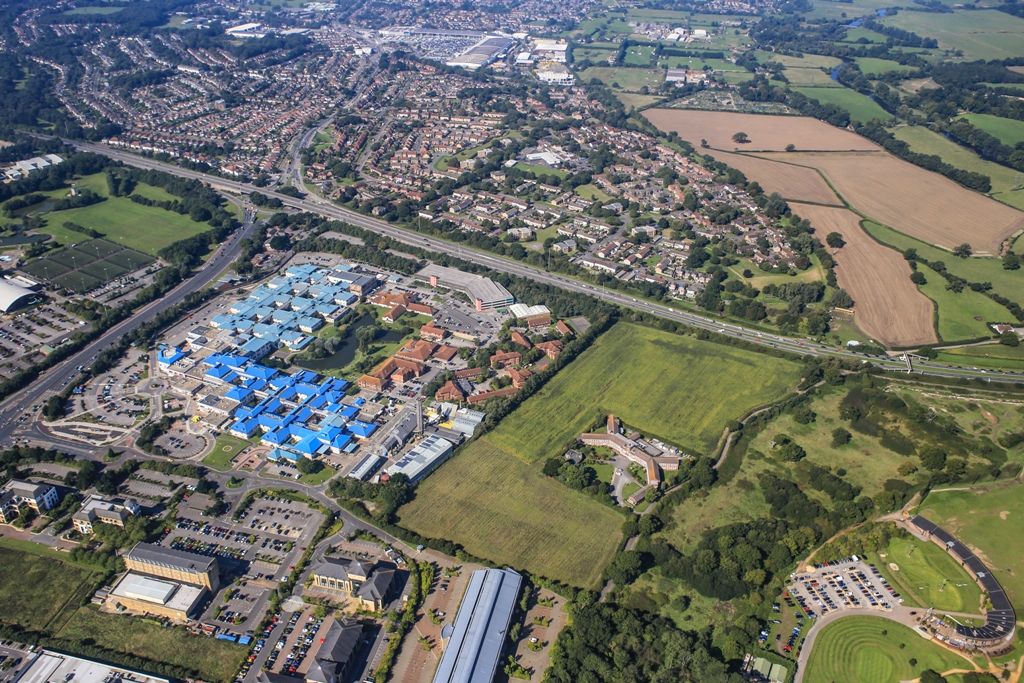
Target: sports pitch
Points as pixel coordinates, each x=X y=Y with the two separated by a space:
x=668 y=386
x=87 y=265
x=929 y=575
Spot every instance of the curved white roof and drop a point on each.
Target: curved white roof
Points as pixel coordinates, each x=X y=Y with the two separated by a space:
x=10 y=294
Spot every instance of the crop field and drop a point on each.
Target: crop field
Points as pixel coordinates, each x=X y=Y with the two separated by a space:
x=984 y=519
x=212 y=659
x=887 y=304
x=863 y=649
x=975 y=269
x=981 y=35
x=40 y=593
x=668 y=386
x=861 y=107
x=912 y=200
x=929 y=574
x=1004 y=179
x=963 y=315
x=766 y=133
x=624 y=78
x=794 y=183
x=507 y=511
x=1008 y=130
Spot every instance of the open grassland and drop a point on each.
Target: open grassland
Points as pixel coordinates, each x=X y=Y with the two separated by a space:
x=855 y=34
x=981 y=35
x=145 y=228
x=213 y=660
x=863 y=649
x=808 y=61
x=986 y=519
x=811 y=77
x=766 y=133
x=1004 y=179
x=1008 y=130
x=794 y=183
x=912 y=200
x=872 y=65
x=887 y=304
x=507 y=511
x=987 y=356
x=632 y=100
x=861 y=107
x=964 y=315
x=1009 y=283
x=930 y=575
x=669 y=386
x=624 y=78
x=40 y=593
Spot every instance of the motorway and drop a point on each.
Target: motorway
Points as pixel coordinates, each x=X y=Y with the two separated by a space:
x=321 y=206
x=57 y=377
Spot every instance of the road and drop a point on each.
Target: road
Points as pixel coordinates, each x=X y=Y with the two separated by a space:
x=317 y=205
x=58 y=376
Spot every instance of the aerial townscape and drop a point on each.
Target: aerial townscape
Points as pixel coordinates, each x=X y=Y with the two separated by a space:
x=423 y=341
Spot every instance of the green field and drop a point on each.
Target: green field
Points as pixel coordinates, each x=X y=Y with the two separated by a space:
x=987 y=356
x=211 y=659
x=1008 y=130
x=861 y=107
x=624 y=78
x=592 y=192
x=871 y=65
x=930 y=575
x=1009 y=283
x=961 y=316
x=855 y=34
x=667 y=386
x=811 y=77
x=40 y=593
x=981 y=35
x=539 y=170
x=854 y=650
x=225 y=448
x=985 y=521
x=86 y=265
x=807 y=61
x=1004 y=179
x=508 y=512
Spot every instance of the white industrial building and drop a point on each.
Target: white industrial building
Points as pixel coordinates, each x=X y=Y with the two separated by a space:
x=422 y=458
x=49 y=666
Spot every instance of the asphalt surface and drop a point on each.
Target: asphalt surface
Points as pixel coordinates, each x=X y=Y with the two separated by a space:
x=57 y=377
x=316 y=205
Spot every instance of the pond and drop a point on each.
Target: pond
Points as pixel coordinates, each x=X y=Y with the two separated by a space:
x=347 y=352
x=18 y=240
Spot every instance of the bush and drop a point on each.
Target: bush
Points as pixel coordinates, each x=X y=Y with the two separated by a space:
x=840 y=437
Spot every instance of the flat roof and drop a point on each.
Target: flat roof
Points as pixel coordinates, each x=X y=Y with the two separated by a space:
x=422 y=457
x=481 y=627
x=53 y=666
x=169 y=557
x=170 y=594
x=478 y=287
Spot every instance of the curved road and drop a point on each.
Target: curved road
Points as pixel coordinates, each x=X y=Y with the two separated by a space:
x=316 y=205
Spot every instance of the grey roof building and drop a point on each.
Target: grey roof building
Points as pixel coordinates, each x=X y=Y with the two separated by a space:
x=473 y=651
x=336 y=653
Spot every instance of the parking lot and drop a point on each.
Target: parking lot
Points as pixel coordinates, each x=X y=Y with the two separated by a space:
x=113 y=398
x=180 y=444
x=12 y=660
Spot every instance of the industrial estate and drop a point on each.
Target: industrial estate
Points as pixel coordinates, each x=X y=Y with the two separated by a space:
x=431 y=342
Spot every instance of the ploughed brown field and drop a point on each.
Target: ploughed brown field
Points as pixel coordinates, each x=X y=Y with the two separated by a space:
x=914 y=201
x=766 y=133
x=794 y=183
x=888 y=305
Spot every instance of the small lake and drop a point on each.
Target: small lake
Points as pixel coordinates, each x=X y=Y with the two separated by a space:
x=22 y=239
x=347 y=352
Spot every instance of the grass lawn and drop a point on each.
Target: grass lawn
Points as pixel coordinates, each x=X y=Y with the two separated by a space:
x=961 y=316
x=855 y=34
x=1009 y=283
x=211 y=659
x=987 y=356
x=863 y=649
x=1008 y=130
x=38 y=592
x=604 y=472
x=1004 y=179
x=928 y=574
x=147 y=229
x=318 y=478
x=639 y=55
x=224 y=449
x=861 y=107
x=624 y=78
x=540 y=170
x=668 y=386
x=507 y=511
x=631 y=100
x=322 y=141
x=592 y=192
x=986 y=521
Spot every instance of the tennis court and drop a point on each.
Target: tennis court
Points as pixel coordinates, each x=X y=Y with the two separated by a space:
x=88 y=265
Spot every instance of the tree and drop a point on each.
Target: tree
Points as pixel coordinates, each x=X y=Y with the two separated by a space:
x=791 y=147
x=840 y=437
x=1009 y=338
x=624 y=568
x=740 y=137
x=906 y=469
x=933 y=457
x=1011 y=261
x=929 y=676
x=842 y=299
x=835 y=240
x=963 y=251
x=917 y=277
x=307 y=466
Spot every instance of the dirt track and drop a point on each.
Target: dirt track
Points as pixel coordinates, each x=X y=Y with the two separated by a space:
x=889 y=306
